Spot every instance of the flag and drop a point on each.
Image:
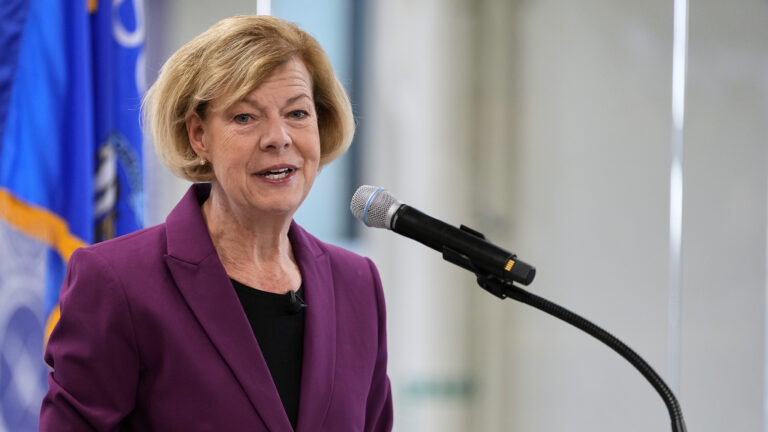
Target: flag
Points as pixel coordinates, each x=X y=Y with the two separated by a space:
x=70 y=166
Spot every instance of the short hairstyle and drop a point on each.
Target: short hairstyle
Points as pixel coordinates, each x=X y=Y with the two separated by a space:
x=228 y=61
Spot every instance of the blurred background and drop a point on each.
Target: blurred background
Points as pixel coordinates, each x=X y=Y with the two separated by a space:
x=620 y=147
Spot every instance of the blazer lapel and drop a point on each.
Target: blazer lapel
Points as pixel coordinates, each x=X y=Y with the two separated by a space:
x=204 y=283
x=319 y=360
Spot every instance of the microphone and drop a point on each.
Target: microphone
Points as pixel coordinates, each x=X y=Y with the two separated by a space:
x=465 y=247
x=295 y=302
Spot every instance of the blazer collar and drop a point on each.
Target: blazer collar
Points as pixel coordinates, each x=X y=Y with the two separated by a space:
x=319 y=360
x=205 y=285
x=187 y=234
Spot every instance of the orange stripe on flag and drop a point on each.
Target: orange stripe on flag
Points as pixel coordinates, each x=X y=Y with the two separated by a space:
x=39 y=223
x=42 y=225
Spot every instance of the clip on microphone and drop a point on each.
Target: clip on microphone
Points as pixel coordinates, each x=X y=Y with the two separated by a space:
x=295 y=302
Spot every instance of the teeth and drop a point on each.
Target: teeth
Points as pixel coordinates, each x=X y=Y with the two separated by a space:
x=277 y=174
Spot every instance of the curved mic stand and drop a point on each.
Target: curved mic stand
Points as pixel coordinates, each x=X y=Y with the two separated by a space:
x=503 y=289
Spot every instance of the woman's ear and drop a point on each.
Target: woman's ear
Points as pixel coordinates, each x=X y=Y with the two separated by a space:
x=196 y=132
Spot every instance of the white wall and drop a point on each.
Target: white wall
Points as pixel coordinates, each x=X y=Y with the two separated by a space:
x=417 y=130
x=565 y=160
x=590 y=209
x=723 y=361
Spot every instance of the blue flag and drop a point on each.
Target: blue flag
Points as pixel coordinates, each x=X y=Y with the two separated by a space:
x=70 y=166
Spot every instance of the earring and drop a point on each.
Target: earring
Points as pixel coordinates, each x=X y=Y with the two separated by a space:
x=203 y=161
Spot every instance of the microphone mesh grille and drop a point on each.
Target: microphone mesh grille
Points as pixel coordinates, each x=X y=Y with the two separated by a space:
x=374 y=206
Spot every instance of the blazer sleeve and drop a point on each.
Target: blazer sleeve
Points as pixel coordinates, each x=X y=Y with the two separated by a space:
x=92 y=351
x=378 y=411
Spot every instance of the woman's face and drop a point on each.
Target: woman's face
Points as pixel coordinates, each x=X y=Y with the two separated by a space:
x=265 y=149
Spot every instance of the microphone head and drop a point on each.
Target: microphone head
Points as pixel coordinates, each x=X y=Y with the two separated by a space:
x=374 y=206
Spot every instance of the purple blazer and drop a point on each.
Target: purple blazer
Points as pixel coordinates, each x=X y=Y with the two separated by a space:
x=152 y=337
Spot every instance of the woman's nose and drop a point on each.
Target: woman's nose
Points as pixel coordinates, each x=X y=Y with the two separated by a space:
x=275 y=136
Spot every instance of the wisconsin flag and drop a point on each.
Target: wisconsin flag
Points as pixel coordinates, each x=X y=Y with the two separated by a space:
x=70 y=166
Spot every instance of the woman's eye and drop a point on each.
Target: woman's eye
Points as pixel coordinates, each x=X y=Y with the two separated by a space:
x=298 y=114
x=242 y=118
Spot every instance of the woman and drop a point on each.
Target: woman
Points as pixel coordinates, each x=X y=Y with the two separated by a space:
x=197 y=324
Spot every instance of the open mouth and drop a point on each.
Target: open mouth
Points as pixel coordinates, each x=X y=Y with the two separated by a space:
x=277 y=174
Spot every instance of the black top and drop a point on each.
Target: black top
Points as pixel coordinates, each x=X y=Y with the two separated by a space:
x=277 y=321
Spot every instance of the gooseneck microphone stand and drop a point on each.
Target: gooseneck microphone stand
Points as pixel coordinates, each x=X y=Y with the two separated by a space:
x=467 y=248
x=503 y=289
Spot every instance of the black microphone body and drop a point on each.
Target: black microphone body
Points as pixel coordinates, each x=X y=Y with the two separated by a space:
x=479 y=255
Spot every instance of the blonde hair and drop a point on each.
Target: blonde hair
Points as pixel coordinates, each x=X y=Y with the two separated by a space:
x=226 y=62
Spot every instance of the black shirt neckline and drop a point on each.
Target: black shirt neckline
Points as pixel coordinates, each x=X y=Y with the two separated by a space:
x=278 y=326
